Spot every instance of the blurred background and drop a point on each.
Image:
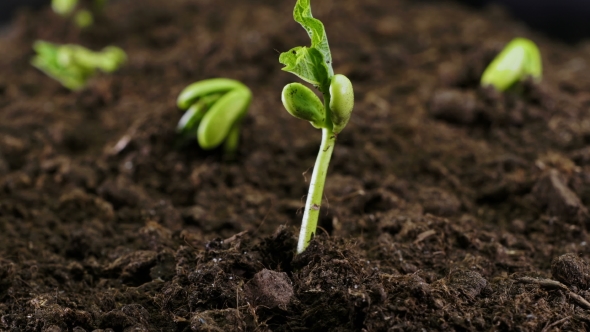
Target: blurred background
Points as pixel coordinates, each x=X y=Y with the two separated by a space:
x=566 y=20
x=8 y=7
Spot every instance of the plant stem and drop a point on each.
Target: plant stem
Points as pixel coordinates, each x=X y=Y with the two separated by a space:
x=316 y=185
x=230 y=146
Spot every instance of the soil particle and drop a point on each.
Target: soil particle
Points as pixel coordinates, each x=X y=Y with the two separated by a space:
x=155 y=236
x=134 y=267
x=7 y=272
x=469 y=283
x=553 y=194
x=454 y=106
x=571 y=270
x=53 y=328
x=216 y=321
x=439 y=202
x=269 y=289
x=78 y=205
x=116 y=319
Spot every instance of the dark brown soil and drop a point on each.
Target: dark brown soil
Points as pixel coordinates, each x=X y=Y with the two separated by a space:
x=448 y=206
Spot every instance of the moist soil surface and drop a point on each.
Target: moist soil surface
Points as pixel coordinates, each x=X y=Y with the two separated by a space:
x=448 y=206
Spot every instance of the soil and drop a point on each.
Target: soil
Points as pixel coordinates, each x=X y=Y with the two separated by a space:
x=448 y=206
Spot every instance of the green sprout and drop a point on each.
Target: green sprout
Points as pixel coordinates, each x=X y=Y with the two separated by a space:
x=314 y=65
x=73 y=65
x=83 y=17
x=64 y=7
x=517 y=61
x=214 y=110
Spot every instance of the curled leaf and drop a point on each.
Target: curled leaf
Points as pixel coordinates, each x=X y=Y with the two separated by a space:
x=222 y=117
x=315 y=30
x=519 y=59
x=191 y=118
x=312 y=64
x=205 y=87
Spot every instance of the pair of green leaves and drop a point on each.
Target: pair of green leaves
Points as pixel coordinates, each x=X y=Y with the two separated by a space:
x=518 y=60
x=314 y=65
x=214 y=110
x=303 y=104
x=72 y=65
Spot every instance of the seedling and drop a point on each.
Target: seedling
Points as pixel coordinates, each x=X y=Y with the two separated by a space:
x=73 y=65
x=83 y=17
x=517 y=61
x=214 y=110
x=314 y=65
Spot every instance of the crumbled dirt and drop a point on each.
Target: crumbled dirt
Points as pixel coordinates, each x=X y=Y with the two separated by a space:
x=269 y=289
x=448 y=206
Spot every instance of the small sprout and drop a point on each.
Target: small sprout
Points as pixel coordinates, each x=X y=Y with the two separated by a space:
x=215 y=108
x=314 y=65
x=64 y=7
x=73 y=65
x=84 y=17
x=518 y=60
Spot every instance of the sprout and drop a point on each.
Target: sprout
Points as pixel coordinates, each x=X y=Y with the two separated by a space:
x=64 y=7
x=518 y=60
x=73 y=65
x=215 y=108
x=83 y=18
x=314 y=65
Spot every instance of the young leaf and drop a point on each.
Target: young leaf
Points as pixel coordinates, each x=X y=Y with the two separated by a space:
x=222 y=116
x=49 y=59
x=84 y=19
x=312 y=64
x=64 y=7
x=308 y=64
x=202 y=88
x=189 y=121
x=315 y=30
x=73 y=65
x=519 y=59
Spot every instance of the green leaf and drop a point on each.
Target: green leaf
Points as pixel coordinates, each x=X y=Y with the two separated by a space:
x=48 y=61
x=84 y=19
x=312 y=64
x=222 y=116
x=64 y=7
x=519 y=59
x=315 y=30
x=73 y=65
x=308 y=64
x=189 y=121
x=202 y=88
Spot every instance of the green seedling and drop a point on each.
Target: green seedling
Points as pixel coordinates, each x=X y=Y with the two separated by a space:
x=214 y=110
x=83 y=17
x=314 y=65
x=517 y=61
x=73 y=65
